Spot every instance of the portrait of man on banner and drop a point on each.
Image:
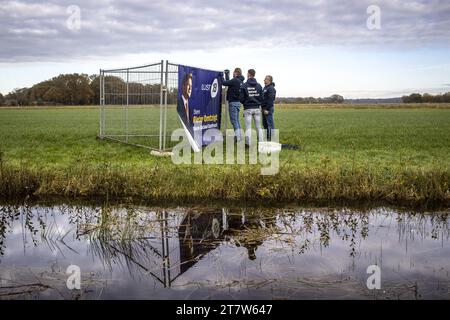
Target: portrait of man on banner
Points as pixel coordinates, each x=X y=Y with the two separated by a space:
x=186 y=115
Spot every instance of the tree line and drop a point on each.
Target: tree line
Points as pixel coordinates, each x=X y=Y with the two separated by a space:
x=66 y=89
x=335 y=98
x=82 y=89
x=427 y=98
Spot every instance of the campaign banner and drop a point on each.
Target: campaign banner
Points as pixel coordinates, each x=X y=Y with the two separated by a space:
x=199 y=102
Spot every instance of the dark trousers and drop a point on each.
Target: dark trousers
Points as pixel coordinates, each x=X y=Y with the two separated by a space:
x=268 y=122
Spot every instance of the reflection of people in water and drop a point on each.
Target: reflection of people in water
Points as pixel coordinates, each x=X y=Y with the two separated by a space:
x=183 y=102
x=201 y=233
x=251 y=248
x=252 y=222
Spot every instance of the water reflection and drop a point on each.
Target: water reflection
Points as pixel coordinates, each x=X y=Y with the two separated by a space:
x=138 y=252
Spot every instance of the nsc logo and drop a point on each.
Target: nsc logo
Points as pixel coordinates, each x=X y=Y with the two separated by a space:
x=214 y=88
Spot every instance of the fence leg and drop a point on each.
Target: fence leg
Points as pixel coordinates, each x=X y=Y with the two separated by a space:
x=161 y=106
x=100 y=135
x=166 y=88
x=126 y=110
x=102 y=104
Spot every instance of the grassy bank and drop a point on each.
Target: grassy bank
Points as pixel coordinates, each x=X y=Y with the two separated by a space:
x=393 y=154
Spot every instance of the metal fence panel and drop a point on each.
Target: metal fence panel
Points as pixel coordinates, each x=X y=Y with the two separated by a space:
x=138 y=105
x=131 y=101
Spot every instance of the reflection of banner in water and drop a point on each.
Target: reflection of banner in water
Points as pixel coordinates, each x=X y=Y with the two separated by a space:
x=199 y=235
x=175 y=242
x=178 y=244
x=199 y=102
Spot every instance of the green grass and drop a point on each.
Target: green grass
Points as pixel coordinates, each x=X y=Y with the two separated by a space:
x=395 y=154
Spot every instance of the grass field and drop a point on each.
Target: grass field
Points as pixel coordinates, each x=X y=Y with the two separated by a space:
x=350 y=153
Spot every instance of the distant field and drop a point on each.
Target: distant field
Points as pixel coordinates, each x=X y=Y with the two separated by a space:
x=288 y=106
x=368 y=106
x=346 y=153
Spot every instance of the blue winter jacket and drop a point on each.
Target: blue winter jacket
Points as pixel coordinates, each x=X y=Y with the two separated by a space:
x=251 y=94
x=234 y=86
x=269 y=94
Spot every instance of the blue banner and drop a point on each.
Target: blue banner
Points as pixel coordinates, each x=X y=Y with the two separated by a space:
x=199 y=101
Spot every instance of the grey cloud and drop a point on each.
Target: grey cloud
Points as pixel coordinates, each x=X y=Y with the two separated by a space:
x=34 y=30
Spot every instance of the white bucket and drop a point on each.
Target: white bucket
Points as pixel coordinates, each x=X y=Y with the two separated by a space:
x=269 y=146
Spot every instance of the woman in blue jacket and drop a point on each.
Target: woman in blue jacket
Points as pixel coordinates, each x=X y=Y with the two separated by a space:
x=268 y=101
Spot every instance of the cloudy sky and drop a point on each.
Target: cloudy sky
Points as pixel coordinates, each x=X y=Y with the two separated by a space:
x=311 y=47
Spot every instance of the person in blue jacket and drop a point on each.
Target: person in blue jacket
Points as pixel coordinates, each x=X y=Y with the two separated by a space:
x=234 y=105
x=251 y=98
x=267 y=106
